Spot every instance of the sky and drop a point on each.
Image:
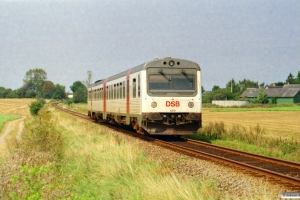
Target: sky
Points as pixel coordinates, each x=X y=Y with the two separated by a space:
x=253 y=39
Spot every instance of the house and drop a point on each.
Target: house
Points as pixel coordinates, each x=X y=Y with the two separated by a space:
x=70 y=95
x=287 y=94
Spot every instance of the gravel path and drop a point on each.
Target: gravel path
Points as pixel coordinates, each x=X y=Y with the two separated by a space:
x=233 y=183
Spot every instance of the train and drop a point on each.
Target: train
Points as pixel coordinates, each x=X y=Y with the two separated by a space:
x=159 y=97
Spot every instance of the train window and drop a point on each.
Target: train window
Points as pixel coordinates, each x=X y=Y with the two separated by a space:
x=182 y=81
x=134 y=88
x=111 y=92
x=139 y=87
x=109 y=89
x=115 y=92
x=100 y=94
x=107 y=93
x=123 y=89
x=120 y=90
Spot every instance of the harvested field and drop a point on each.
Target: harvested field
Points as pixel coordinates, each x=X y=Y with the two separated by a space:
x=276 y=123
x=15 y=106
x=12 y=107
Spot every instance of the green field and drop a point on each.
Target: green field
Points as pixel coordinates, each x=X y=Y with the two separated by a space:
x=5 y=118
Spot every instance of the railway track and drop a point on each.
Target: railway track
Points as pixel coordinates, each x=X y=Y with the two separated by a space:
x=280 y=171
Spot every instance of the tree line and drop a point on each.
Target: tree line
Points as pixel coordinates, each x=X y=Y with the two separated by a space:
x=234 y=89
x=36 y=85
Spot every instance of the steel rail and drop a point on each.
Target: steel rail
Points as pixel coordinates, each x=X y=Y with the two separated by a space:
x=243 y=153
x=197 y=153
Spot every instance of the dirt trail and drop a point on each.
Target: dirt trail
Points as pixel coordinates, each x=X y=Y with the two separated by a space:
x=8 y=129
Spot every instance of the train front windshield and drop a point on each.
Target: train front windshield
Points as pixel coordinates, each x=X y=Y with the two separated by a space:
x=178 y=80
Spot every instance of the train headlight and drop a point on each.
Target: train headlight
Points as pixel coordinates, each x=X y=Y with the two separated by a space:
x=172 y=63
x=191 y=104
x=153 y=104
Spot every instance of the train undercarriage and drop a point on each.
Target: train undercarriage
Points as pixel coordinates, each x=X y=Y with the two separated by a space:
x=154 y=123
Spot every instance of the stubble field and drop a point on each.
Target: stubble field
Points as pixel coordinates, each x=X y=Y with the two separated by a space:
x=15 y=106
x=11 y=109
x=284 y=124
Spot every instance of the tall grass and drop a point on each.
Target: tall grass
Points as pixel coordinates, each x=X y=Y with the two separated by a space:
x=29 y=172
x=60 y=157
x=102 y=166
x=252 y=139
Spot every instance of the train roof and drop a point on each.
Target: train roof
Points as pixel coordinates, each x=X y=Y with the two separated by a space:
x=152 y=63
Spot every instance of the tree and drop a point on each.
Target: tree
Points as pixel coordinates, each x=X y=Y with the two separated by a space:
x=246 y=83
x=202 y=89
x=262 y=97
x=33 y=82
x=59 y=92
x=48 y=89
x=89 y=78
x=2 y=92
x=233 y=86
x=79 y=92
x=215 y=88
x=80 y=96
x=262 y=85
x=279 y=84
x=290 y=79
x=12 y=94
x=77 y=85
x=297 y=80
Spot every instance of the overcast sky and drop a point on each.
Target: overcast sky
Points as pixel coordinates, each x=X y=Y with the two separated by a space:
x=253 y=39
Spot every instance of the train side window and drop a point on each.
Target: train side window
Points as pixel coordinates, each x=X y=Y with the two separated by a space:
x=109 y=88
x=124 y=90
x=120 y=90
x=115 y=92
x=139 y=86
x=134 y=88
x=107 y=92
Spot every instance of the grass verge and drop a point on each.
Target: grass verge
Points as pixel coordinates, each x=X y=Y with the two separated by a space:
x=252 y=140
x=61 y=157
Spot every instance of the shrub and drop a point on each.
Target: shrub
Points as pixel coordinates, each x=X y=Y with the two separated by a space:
x=68 y=101
x=36 y=106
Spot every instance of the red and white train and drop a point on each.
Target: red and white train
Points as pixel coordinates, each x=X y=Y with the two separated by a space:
x=160 y=97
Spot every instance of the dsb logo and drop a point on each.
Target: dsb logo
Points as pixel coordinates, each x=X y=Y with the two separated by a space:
x=172 y=103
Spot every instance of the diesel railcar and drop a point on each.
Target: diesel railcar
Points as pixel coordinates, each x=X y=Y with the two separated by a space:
x=160 y=97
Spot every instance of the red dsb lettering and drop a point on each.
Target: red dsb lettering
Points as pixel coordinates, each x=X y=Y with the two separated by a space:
x=172 y=103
